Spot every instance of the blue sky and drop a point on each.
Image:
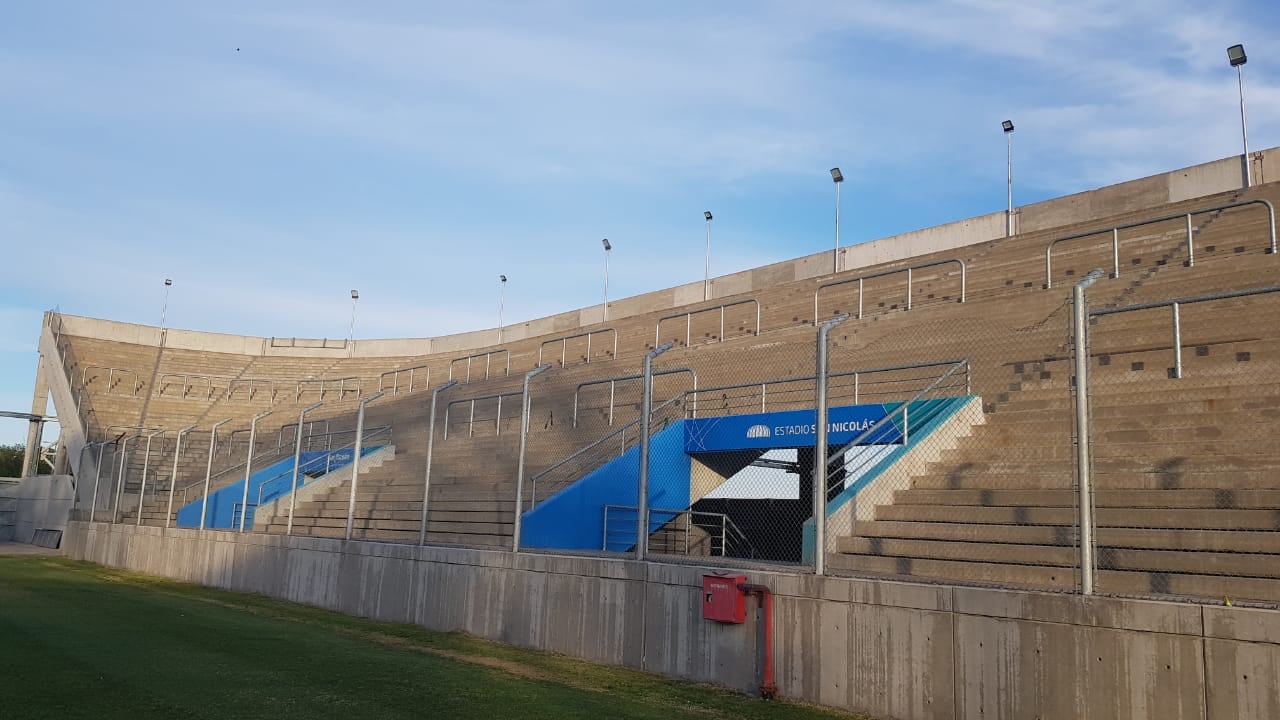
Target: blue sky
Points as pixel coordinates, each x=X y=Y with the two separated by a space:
x=271 y=155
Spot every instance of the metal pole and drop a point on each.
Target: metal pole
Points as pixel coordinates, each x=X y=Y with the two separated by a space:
x=1008 y=217
x=820 y=449
x=248 y=465
x=607 y=248
x=835 y=256
x=431 y=440
x=646 y=407
x=208 y=470
x=502 y=302
x=1244 y=130
x=173 y=476
x=1115 y=252
x=355 y=461
x=97 y=473
x=351 y=331
x=146 y=464
x=706 y=277
x=164 y=309
x=297 y=460
x=1082 y=430
x=524 y=431
x=120 y=480
x=1191 y=249
x=1177 y=343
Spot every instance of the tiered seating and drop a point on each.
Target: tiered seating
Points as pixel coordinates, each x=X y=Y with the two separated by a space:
x=1015 y=334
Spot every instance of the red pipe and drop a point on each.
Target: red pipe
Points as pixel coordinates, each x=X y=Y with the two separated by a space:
x=768 y=689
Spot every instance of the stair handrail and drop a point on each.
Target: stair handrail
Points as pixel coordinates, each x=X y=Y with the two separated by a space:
x=688 y=317
x=621 y=433
x=837 y=457
x=964 y=272
x=1191 y=254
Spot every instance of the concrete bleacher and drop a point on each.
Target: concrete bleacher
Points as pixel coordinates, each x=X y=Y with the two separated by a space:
x=1018 y=464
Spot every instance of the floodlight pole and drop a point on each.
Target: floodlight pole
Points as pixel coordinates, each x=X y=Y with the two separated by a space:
x=208 y=470
x=164 y=308
x=173 y=476
x=431 y=441
x=297 y=461
x=607 y=249
x=1244 y=129
x=706 y=277
x=248 y=465
x=502 y=302
x=820 y=448
x=838 y=178
x=1081 y=323
x=524 y=432
x=642 y=496
x=351 y=331
x=1008 y=216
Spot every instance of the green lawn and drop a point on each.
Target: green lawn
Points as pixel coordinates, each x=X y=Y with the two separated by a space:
x=82 y=641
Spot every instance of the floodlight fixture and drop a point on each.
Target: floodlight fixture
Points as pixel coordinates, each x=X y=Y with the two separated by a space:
x=836 y=175
x=168 y=282
x=606 y=244
x=707 y=214
x=1236 y=56
x=1007 y=125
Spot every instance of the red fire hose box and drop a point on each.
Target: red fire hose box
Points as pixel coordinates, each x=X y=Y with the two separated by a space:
x=722 y=600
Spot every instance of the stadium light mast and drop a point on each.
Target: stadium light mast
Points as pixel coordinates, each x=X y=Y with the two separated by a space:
x=1008 y=216
x=706 y=276
x=502 y=301
x=607 y=249
x=837 y=177
x=164 y=308
x=1237 y=58
x=351 y=331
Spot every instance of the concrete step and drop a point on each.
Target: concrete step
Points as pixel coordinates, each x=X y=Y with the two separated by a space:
x=1243 y=541
x=1198 y=518
x=1259 y=499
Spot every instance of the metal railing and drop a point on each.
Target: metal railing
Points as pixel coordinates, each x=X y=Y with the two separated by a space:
x=281 y=484
x=395 y=378
x=688 y=320
x=488 y=362
x=910 y=271
x=111 y=377
x=855 y=388
x=345 y=384
x=896 y=426
x=696 y=532
x=588 y=458
x=253 y=385
x=1191 y=254
x=612 y=383
x=1176 y=304
x=471 y=419
x=564 y=344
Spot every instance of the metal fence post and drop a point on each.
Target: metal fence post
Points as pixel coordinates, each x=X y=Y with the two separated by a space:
x=173 y=477
x=248 y=465
x=97 y=473
x=1081 y=321
x=646 y=407
x=355 y=461
x=208 y=470
x=1177 y=343
x=524 y=432
x=120 y=480
x=820 y=448
x=146 y=464
x=431 y=441
x=297 y=461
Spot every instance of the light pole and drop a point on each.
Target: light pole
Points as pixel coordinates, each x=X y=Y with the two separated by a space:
x=837 y=178
x=1008 y=216
x=1237 y=58
x=502 y=301
x=706 y=277
x=164 y=308
x=351 y=331
x=607 y=249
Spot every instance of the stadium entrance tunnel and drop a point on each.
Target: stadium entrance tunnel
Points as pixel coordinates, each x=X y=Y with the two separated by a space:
x=736 y=485
x=266 y=485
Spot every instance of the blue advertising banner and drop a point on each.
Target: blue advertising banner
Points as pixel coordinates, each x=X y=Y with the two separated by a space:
x=790 y=429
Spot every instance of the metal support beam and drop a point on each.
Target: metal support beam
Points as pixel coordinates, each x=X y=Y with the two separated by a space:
x=524 y=432
x=646 y=408
x=820 y=447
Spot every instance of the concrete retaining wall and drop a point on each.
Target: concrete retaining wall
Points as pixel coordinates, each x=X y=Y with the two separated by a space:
x=35 y=503
x=893 y=650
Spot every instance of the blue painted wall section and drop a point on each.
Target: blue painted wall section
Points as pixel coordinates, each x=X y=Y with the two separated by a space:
x=573 y=519
x=274 y=481
x=790 y=429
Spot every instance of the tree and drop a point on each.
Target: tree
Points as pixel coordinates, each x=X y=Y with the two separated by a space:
x=11 y=461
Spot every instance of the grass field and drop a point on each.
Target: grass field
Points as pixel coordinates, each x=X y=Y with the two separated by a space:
x=82 y=641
